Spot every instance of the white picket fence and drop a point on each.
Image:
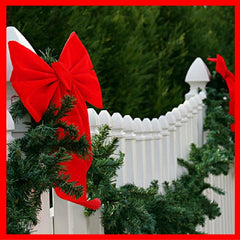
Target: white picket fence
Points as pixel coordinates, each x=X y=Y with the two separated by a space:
x=151 y=148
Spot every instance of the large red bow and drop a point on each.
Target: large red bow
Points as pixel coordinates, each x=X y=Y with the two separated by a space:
x=229 y=78
x=38 y=85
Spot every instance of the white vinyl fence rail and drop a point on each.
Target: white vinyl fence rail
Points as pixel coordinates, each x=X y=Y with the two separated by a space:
x=151 y=148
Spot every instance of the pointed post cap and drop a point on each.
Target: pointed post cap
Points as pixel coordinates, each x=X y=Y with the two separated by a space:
x=14 y=35
x=197 y=77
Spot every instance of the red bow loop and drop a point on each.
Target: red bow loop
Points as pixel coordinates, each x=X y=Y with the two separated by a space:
x=76 y=59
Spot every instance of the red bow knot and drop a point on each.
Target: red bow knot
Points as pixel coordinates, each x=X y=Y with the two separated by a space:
x=63 y=75
x=37 y=84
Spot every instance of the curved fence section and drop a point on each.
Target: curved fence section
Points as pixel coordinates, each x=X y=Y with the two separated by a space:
x=151 y=147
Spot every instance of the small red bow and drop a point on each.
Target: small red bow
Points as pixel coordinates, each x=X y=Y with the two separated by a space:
x=37 y=84
x=229 y=78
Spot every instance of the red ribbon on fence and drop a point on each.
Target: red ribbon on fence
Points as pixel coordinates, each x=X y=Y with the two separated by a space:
x=229 y=78
x=37 y=84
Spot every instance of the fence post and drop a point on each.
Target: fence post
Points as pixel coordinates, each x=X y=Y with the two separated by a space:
x=197 y=77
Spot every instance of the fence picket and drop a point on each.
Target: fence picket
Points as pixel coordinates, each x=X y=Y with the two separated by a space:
x=199 y=120
x=94 y=121
x=194 y=105
x=140 y=153
x=184 y=131
x=165 y=148
x=157 y=146
x=117 y=131
x=130 y=138
x=45 y=221
x=172 y=145
x=189 y=109
x=149 y=168
x=61 y=213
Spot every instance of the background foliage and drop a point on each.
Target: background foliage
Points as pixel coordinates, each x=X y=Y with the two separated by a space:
x=141 y=53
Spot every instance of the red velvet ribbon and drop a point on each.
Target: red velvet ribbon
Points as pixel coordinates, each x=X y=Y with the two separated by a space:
x=37 y=84
x=229 y=78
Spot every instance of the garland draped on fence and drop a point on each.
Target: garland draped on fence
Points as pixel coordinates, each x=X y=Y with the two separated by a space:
x=32 y=169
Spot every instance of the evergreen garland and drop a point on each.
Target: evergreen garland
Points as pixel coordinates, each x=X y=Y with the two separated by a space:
x=33 y=164
x=182 y=206
x=33 y=167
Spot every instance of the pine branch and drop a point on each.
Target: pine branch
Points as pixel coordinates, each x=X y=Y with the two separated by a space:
x=47 y=56
x=67 y=103
x=17 y=110
x=71 y=188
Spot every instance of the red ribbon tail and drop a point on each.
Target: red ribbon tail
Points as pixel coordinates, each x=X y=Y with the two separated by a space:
x=93 y=204
x=212 y=59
